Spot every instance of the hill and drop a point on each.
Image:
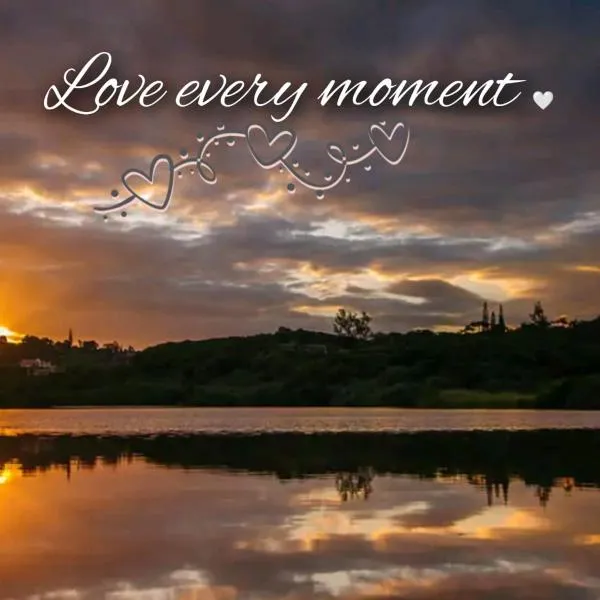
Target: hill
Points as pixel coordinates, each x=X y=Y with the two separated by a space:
x=529 y=367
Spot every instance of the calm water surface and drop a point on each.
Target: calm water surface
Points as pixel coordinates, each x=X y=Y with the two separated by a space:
x=298 y=504
x=307 y=420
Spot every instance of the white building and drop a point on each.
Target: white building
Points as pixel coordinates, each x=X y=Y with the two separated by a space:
x=37 y=366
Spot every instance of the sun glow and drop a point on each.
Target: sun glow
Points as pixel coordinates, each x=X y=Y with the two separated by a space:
x=10 y=335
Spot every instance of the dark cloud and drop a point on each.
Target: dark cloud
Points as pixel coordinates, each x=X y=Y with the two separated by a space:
x=439 y=295
x=498 y=204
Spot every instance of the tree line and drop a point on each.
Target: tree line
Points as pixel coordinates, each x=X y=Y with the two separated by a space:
x=544 y=363
x=357 y=325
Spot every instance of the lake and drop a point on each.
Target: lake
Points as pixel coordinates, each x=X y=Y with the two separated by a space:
x=170 y=504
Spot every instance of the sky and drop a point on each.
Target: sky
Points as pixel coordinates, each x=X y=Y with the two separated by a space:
x=488 y=204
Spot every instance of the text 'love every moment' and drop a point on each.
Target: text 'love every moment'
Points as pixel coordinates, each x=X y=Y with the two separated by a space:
x=93 y=84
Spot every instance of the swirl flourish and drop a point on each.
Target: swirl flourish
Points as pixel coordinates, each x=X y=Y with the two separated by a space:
x=261 y=146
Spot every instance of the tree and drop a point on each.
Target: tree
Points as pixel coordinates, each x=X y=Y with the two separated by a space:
x=88 y=345
x=485 y=317
x=112 y=348
x=352 y=325
x=538 y=316
x=501 y=323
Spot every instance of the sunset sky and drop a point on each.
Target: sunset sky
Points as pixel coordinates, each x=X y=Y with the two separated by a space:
x=498 y=204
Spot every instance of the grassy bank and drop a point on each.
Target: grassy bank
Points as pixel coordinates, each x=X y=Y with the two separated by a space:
x=483 y=399
x=146 y=394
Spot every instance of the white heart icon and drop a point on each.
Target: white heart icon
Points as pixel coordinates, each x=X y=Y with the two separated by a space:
x=543 y=99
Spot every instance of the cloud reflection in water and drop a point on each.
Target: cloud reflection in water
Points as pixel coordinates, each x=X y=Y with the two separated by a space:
x=143 y=527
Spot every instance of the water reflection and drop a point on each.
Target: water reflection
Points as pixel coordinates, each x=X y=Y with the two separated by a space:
x=423 y=516
x=354 y=485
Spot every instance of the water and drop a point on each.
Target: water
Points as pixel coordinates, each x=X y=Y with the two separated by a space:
x=298 y=504
x=306 y=420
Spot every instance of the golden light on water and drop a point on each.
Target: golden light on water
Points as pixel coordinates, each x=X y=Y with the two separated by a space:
x=7 y=474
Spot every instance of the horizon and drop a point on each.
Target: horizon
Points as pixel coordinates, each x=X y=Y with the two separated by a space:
x=552 y=320
x=497 y=205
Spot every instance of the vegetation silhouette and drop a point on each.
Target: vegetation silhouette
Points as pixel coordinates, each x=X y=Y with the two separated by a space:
x=543 y=364
x=352 y=325
x=545 y=460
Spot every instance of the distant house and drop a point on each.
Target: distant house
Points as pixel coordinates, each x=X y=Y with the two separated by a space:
x=37 y=366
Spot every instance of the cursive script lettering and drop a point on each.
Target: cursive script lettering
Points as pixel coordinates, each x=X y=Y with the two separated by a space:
x=108 y=90
x=94 y=75
x=235 y=92
x=387 y=91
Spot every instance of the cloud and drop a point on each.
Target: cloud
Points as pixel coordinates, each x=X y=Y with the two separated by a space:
x=498 y=205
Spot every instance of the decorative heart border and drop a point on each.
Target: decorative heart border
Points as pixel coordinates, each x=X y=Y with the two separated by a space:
x=378 y=138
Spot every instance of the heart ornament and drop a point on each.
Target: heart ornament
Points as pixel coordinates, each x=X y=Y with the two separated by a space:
x=543 y=99
x=391 y=146
x=266 y=151
x=152 y=180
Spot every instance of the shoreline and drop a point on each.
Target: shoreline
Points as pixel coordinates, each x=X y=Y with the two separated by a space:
x=295 y=409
